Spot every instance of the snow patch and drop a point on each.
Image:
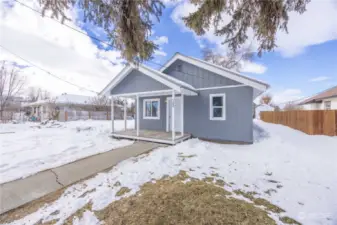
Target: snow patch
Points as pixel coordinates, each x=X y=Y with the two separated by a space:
x=301 y=168
x=34 y=147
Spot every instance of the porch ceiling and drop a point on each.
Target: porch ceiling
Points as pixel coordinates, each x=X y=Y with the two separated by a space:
x=156 y=93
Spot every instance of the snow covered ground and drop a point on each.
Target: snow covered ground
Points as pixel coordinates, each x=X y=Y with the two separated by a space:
x=300 y=168
x=33 y=147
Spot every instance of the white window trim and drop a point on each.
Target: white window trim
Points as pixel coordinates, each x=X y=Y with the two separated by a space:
x=144 y=109
x=223 y=95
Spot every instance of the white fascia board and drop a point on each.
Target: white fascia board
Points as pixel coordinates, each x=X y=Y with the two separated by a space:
x=188 y=92
x=146 y=93
x=215 y=69
x=158 y=78
x=128 y=69
x=168 y=63
x=222 y=87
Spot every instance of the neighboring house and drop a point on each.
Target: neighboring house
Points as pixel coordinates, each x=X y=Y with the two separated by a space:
x=263 y=108
x=55 y=108
x=209 y=101
x=12 y=108
x=325 y=100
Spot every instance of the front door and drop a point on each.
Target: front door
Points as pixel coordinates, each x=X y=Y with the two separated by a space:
x=177 y=114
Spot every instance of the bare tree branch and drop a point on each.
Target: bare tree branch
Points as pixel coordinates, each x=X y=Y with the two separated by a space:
x=128 y=23
x=11 y=85
x=231 y=60
x=100 y=103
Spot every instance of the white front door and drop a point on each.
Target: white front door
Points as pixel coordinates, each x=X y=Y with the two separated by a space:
x=177 y=114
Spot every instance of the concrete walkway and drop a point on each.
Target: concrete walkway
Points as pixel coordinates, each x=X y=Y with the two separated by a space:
x=19 y=192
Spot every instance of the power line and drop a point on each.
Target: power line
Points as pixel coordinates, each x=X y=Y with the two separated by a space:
x=46 y=71
x=97 y=39
x=70 y=27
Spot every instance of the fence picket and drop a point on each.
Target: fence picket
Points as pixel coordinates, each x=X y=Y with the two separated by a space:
x=313 y=122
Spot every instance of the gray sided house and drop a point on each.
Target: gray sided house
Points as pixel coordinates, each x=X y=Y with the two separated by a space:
x=187 y=98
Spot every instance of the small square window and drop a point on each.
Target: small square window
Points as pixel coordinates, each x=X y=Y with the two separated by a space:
x=217 y=107
x=327 y=105
x=151 y=109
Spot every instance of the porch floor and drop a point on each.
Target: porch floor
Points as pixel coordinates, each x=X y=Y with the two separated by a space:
x=152 y=135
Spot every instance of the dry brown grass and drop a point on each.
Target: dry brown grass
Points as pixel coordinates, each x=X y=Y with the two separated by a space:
x=288 y=220
x=250 y=195
x=171 y=201
x=259 y=201
x=122 y=191
x=268 y=205
x=78 y=213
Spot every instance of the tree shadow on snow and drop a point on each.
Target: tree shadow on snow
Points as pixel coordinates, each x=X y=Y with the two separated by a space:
x=259 y=133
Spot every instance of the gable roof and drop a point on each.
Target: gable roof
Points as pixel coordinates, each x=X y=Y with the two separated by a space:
x=171 y=82
x=329 y=93
x=259 y=85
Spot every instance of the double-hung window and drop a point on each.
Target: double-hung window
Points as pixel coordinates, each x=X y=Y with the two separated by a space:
x=151 y=109
x=217 y=106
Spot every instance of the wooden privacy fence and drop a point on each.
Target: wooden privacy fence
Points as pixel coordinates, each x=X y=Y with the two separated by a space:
x=313 y=122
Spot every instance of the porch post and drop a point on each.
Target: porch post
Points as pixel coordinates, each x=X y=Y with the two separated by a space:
x=172 y=116
x=112 y=115
x=137 y=115
x=125 y=125
x=182 y=113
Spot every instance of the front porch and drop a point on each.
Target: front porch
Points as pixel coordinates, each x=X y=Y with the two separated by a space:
x=152 y=135
x=164 y=108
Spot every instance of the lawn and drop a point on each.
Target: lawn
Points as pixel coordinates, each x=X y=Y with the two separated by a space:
x=28 y=148
x=284 y=177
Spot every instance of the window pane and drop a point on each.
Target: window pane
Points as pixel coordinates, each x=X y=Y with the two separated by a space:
x=217 y=112
x=328 y=105
x=217 y=101
x=148 y=109
x=154 y=108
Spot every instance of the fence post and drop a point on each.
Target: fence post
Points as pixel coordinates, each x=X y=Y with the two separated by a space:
x=65 y=116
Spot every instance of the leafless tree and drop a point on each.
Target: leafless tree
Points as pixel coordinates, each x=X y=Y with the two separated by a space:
x=231 y=60
x=132 y=109
x=276 y=108
x=35 y=94
x=11 y=85
x=53 y=110
x=266 y=99
x=100 y=103
x=45 y=95
x=292 y=106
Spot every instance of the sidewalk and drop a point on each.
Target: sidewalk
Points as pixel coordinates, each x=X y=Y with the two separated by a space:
x=19 y=192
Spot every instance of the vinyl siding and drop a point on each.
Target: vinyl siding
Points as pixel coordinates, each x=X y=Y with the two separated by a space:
x=137 y=82
x=197 y=77
x=153 y=124
x=238 y=125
